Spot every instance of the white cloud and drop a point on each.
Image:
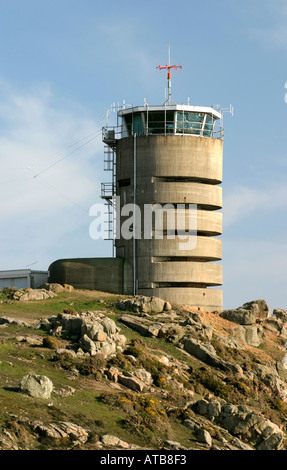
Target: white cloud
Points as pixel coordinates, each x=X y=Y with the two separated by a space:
x=254 y=269
x=242 y=202
x=40 y=137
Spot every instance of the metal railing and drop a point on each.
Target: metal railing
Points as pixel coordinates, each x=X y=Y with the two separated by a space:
x=107 y=190
x=201 y=129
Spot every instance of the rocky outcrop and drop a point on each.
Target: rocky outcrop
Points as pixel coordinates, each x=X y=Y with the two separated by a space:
x=5 y=321
x=248 y=313
x=91 y=332
x=61 y=430
x=141 y=303
x=280 y=314
x=253 y=335
x=32 y=294
x=242 y=422
x=56 y=287
x=249 y=317
x=206 y=353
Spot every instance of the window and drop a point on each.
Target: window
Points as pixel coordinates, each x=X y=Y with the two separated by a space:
x=194 y=123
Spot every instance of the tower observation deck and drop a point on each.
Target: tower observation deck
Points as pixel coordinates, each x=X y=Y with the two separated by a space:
x=169 y=157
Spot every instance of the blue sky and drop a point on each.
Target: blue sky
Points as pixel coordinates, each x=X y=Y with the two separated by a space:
x=64 y=62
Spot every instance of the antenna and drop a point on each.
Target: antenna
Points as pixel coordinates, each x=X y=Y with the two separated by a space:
x=169 y=68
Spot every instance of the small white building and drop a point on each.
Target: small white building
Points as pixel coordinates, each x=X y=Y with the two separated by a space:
x=23 y=278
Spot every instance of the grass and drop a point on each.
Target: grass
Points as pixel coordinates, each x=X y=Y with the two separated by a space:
x=33 y=310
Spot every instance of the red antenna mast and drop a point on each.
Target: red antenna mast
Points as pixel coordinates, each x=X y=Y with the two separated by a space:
x=169 y=68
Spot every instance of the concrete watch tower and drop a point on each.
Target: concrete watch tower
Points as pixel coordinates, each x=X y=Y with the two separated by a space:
x=169 y=154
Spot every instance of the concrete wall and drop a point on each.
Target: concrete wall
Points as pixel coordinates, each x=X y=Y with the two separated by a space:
x=207 y=299
x=207 y=248
x=103 y=274
x=172 y=156
x=174 y=170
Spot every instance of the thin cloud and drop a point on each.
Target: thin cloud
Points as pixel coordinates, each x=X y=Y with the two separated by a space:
x=241 y=202
x=50 y=174
x=274 y=32
x=254 y=269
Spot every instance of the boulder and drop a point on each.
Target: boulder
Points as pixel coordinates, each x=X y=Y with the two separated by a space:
x=250 y=334
x=207 y=353
x=136 y=324
x=61 y=430
x=88 y=345
x=37 y=386
x=274 y=324
x=260 y=307
x=56 y=287
x=94 y=331
x=53 y=287
x=248 y=313
x=243 y=422
x=203 y=436
x=113 y=441
x=141 y=303
x=133 y=383
x=68 y=288
x=109 y=326
x=240 y=316
x=144 y=376
x=280 y=314
x=32 y=294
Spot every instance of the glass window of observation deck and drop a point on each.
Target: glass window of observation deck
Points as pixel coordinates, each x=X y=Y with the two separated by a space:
x=194 y=123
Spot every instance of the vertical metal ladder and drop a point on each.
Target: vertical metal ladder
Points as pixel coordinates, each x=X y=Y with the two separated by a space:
x=108 y=190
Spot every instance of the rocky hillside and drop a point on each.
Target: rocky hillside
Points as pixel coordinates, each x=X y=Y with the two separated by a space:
x=87 y=370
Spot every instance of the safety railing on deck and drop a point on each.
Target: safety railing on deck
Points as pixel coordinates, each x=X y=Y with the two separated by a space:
x=195 y=128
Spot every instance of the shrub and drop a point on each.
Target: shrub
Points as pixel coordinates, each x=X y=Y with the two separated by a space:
x=70 y=311
x=51 y=342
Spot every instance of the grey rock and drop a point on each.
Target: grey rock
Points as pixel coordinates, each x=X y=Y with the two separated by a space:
x=132 y=382
x=252 y=335
x=274 y=324
x=174 y=445
x=135 y=324
x=188 y=423
x=240 y=316
x=110 y=326
x=91 y=329
x=280 y=314
x=248 y=313
x=88 y=345
x=113 y=441
x=203 y=436
x=67 y=352
x=53 y=287
x=140 y=303
x=260 y=307
x=243 y=422
x=61 y=430
x=37 y=386
x=214 y=408
x=274 y=442
x=230 y=341
x=144 y=376
x=32 y=294
x=206 y=353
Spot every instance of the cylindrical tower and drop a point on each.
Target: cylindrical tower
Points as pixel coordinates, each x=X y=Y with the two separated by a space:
x=169 y=158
